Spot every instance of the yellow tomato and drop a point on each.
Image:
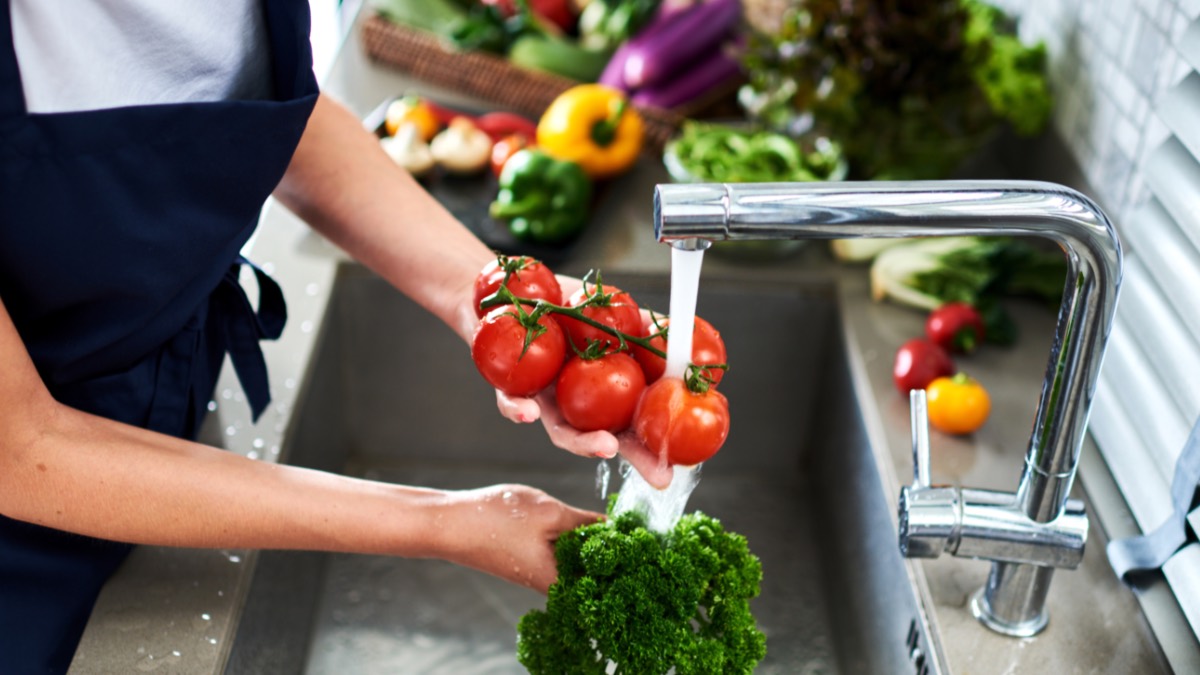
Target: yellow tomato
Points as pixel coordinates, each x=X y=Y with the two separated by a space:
x=411 y=109
x=594 y=126
x=957 y=405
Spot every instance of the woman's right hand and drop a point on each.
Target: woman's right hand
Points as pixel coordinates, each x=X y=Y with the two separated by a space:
x=508 y=531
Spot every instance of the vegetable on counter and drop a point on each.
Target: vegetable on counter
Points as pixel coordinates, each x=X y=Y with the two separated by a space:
x=956 y=327
x=958 y=405
x=461 y=147
x=647 y=602
x=681 y=55
x=723 y=154
x=606 y=24
x=541 y=198
x=407 y=149
x=919 y=362
x=977 y=270
x=505 y=148
x=594 y=126
x=559 y=56
x=412 y=109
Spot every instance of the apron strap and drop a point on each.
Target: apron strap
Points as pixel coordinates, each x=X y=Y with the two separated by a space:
x=244 y=327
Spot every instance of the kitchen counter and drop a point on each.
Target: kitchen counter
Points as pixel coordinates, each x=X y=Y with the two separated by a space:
x=176 y=610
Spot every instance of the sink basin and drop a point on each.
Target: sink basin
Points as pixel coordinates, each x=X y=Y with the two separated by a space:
x=393 y=396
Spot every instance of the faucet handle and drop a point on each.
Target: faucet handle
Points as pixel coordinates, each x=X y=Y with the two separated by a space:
x=919 y=415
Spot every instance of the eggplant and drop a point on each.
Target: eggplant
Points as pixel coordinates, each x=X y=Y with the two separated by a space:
x=665 y=49
x=713 y=71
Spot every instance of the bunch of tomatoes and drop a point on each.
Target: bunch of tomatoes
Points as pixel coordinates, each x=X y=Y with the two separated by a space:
x=958 y=404
x=604 y=361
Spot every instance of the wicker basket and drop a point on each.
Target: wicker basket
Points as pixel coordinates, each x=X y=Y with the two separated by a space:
x=489 y=77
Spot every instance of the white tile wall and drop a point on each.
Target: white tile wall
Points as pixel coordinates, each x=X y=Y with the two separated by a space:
x=1110 y=63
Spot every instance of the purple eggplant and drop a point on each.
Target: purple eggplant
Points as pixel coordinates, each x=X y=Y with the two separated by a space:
x=681 y=39
x=710 y=73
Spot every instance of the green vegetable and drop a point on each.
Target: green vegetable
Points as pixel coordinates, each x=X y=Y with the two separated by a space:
x=558 y=56
x=605 y=24
x=440 y=17
x=723 y=154
x=910 y=89
x=541 y=198
x=926 y=273
x=647 y=602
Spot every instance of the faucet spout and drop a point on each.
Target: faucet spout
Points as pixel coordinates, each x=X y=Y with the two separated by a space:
x=1013 y=600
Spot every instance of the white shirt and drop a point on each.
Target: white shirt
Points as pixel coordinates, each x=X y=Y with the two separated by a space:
x=94 y=54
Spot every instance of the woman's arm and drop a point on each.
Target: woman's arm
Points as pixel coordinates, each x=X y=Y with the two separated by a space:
x=81 y=473
x=348 y=189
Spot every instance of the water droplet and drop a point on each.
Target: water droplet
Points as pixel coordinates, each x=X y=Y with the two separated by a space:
x=212 y=406
x=212 y=641
x=230 y=430
x=306 y=326
x=226 y=394
x=253 y=454
x=206 y=617
x=603 y=473
x=258 y=443
x=312 y=289
x=508 y=496
x=289 y=383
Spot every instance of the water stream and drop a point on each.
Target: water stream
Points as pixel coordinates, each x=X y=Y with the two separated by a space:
x=664 y=507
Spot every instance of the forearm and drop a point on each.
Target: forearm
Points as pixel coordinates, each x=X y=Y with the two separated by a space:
x=348 y=189
x=93 y=476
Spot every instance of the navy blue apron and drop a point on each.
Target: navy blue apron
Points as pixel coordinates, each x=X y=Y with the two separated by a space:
x=120 y=233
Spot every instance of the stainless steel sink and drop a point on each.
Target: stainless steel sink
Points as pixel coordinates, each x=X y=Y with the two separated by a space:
x=393 y=396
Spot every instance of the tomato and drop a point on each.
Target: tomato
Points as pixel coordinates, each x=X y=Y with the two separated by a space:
x=707 y=349
x=507 y=147
x=919 y=362
x=684 y=426
x=497 y=348
x=615 y=309
x=527 y=278
x=601 y=393
x=958 y=405
x=955 y=327
x=558 y=12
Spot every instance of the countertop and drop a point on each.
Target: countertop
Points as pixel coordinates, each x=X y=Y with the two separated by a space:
x=176 y=610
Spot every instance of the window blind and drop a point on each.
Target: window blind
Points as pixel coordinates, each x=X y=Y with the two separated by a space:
x=1148 y=393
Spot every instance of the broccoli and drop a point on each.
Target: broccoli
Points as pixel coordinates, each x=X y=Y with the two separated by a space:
x=647 y=602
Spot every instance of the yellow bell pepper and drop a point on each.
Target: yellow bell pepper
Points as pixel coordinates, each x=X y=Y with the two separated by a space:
x=593 y=126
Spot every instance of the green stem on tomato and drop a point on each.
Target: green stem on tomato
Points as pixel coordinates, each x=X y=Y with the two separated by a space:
x=503 y=296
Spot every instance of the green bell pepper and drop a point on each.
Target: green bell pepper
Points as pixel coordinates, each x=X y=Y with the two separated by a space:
x=542 y=199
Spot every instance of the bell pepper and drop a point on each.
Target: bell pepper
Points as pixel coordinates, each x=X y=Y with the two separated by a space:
x=958 y=405
x=594 y=126
x=542 y=199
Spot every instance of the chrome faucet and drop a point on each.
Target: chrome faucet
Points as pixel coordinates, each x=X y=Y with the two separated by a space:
x=1029 y=533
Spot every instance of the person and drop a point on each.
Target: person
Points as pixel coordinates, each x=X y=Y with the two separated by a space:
x=138 y=143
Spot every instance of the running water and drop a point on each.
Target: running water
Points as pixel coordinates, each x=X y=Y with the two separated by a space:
x=664 y=507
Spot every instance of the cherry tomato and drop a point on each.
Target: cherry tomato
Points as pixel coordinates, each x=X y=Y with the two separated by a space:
x=958 y=405
x=707 y=349
x=955 y=327
x=527 y=278
x=497 y=348
x=507 y=147
x=617 y=310
x=600 y=394
x=919 y=362
x=684 y=426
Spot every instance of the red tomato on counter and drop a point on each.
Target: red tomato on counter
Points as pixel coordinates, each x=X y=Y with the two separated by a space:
x=919 y=362
x=955 y=327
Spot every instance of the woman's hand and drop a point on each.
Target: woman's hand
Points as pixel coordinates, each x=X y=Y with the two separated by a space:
x=509 y=531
